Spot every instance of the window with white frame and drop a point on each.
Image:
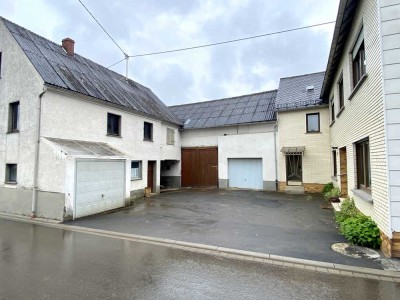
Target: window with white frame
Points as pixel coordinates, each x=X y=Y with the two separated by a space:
x=363 y=165
x=341 y=93
x=312 y=123
x=11 y=173
x=13 y=117
x=136 y=169
x=170 y=136
x=332 y=110
x=358 y=59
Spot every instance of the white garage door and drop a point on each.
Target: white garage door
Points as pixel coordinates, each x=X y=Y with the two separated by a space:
x=99 y=186
x=245 y=173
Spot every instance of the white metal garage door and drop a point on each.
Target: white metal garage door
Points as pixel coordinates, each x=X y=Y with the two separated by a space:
x=99 y=186
x=245 y=173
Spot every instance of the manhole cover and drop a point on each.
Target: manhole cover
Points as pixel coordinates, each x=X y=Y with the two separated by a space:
x=355 y=251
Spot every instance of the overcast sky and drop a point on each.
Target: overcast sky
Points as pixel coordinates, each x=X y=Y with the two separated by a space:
x=156 y=25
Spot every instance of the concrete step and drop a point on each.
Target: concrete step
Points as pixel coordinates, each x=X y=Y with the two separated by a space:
x=294 y=189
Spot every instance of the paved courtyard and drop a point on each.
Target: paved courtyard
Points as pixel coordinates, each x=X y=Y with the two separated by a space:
x=268 y=222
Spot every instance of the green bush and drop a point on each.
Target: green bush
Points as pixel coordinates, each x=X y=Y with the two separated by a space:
x=347 y=210
x=334 y=193
x=327 y=188
x=361 y=230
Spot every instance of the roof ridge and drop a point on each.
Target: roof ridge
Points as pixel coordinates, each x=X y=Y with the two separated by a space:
x=135 y=96
x=75 y=54
x=320 y=72
x=215 y=100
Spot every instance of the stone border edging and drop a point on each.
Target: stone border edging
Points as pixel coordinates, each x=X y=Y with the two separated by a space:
x=285 y=261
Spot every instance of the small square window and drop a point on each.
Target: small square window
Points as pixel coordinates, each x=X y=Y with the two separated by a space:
x=170 y=136
x=148 y=131
x=113 y=125
x=136 y=169
x=13 y=117
x=11 y=173
x=313 y=123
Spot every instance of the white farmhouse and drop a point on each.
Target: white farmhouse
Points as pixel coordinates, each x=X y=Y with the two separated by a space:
x=76 y=138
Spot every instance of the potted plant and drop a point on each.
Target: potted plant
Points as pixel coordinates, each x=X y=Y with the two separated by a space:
x=333 y=195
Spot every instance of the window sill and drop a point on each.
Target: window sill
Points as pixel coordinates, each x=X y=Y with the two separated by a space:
x=14 y=131
x=136 y=179
x=340 y=112
x=333 y=122
x=10 y=184
x=356 y=88
x=313 y=132
x=148 y=141
x=114 y=135
x=363 y=195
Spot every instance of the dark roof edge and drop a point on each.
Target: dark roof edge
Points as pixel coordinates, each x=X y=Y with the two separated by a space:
x=106 y=103
x=343 y=6
x=231 y=125
x=320 y=72
x=322 y=104
x=207 y=101
x=59 y=45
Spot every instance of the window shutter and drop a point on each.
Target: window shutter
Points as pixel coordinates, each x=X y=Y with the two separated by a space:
x=170 y=136
x=358 y=43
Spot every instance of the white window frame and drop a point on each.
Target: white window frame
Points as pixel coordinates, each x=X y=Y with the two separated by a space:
x=136 y=173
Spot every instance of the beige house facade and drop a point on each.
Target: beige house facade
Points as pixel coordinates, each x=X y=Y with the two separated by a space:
x=362 y=88
x=303 y=124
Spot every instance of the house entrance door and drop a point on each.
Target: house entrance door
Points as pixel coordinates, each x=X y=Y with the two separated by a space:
x=294 y=175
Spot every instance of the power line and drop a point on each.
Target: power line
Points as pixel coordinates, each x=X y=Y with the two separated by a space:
x=126 y=55
x=227 y=42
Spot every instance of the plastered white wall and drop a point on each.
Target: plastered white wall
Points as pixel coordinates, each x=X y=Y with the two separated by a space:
x=76 y=118
x=208 y=137
x=19 y=82
x=251 y=145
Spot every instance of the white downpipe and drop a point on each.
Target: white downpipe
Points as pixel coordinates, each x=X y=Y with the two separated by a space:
x=36 y=165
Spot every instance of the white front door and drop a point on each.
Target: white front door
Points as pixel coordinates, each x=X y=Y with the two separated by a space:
x=245 y=173
x=100 y=186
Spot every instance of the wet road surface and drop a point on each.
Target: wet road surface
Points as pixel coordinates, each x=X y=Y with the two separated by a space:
x=38 y=262
x=267 y=222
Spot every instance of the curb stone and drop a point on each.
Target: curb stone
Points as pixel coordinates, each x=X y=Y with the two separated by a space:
x=291 y=262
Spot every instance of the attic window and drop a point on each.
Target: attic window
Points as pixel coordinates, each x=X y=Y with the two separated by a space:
x=310 y=88
x=187 y=121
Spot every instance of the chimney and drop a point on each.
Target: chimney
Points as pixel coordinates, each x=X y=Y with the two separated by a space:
x=68 y=46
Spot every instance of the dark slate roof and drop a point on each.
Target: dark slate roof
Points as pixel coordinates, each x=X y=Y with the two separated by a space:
x=293 y=93
x=344 y=21
x=81 y=75
x=252 y=108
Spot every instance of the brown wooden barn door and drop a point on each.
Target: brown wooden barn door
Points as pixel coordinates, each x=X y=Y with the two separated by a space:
x=200 y=167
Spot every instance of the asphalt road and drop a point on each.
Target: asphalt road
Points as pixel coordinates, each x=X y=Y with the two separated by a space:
x=38 y=262
x=267 y=222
